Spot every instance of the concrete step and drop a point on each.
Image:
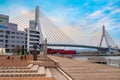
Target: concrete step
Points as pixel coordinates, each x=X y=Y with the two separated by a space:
x=19 y=75
x=16 y=71
x=34 y=68
x=13 y=68
x=44 y=63
x=34 y=71
x=28 y=67
x=48 y=73
x=41 y=71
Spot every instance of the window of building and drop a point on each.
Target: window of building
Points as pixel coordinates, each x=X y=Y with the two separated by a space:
x=12 y=41
x=0 y=20
x=34 y=32
x=22 y=37
x=1 y=31
x=34 y=40
x=22 y=41
x=7 y=36
x=1 y=35
x=32 y=43
x=18 y=33
x=22 y=33
x=1 y=40
x=7 y=50
x=31 y=46
x=12 y=45
x=17 y=37
x=1 y=45
x=18 y=41
x=6 y=45
x=12 y=36
x=6 y=41
x=34 y=36
x=12 y=32
x=3 y=27
x=7 y=32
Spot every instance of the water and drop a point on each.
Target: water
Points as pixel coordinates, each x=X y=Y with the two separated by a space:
x=113 y=57
x=106 y=57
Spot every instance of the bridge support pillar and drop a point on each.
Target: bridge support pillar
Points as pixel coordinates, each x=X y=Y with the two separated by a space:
x=45 y=48
x=106 y=51
x=102 y=51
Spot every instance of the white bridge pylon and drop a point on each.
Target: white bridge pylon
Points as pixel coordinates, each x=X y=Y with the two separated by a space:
x=47 y=28
x=102 y=39
x=109 y=42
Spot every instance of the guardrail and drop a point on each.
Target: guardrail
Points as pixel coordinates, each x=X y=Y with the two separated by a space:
x=97 y=60
x=113 y=62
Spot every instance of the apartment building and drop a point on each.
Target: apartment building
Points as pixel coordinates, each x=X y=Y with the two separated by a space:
x=32 y=36
x=10 y=36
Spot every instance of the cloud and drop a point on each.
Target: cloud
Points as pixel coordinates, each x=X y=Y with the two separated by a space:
x=95 y=14
x=93 y=21
x=99 y=17
x=86 y=26
x=15 y=10
x=116 y=11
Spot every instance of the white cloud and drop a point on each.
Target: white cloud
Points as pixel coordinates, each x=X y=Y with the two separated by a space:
x=116 y=11
x=96 y=14
x=15 y=10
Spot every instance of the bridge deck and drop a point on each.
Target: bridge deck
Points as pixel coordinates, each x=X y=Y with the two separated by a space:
x=84 y=70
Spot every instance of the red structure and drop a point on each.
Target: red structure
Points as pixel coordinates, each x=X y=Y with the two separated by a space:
x=54 y=51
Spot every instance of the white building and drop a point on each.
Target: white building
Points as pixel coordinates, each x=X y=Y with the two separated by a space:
x=10 y=37
x=32 y=36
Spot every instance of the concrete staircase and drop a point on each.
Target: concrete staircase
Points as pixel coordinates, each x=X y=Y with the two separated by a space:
x=32 y=70
x=28 y=67
x=44 y=62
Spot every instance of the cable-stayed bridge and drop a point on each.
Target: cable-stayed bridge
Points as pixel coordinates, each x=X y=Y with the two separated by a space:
x=56 y=37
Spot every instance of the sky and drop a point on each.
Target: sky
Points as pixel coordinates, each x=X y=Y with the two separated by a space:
x=79 y=19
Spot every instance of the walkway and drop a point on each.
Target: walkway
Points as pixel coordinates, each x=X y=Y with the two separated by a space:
x=84 y=70
x=57 y=75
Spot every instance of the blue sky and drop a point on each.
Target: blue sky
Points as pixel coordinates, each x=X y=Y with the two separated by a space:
x=81 y=17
